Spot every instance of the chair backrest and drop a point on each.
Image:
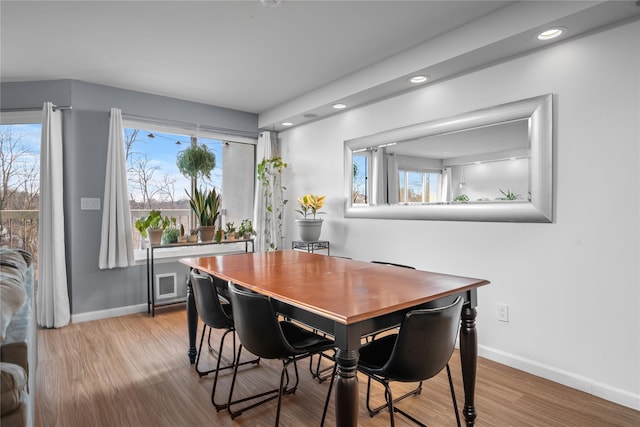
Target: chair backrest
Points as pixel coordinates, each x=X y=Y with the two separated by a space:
x=257 y=325
x=212 y=312
x=394 y=264
x=425 y=343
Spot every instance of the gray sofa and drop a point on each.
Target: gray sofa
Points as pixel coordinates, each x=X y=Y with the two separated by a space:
x=18 y=353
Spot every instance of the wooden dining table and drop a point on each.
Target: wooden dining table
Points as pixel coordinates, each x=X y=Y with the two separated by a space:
x=349 y=299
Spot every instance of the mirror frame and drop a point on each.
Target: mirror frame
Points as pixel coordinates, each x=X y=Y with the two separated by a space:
x=540 y=209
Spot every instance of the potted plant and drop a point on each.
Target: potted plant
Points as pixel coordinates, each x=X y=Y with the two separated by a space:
x=206 y=207
x=246 y=229
x=509 y=195
x=182 y=238
x=171 y=234
x=153 y=225
x=196 y=161
x=310 y=228
x=230 y=231
x=193 y=235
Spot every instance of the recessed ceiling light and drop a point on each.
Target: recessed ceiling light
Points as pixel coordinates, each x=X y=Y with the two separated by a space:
x=418 y=79
x=551 y=33
x=339 y=106
x=287 y=124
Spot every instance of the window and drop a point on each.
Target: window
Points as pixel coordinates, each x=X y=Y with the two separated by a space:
x=361 y=166
x=20 y=135
x=419 y=186
x=155 y=182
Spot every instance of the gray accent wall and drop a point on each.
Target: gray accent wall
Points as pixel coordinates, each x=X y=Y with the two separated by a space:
x=86 y=132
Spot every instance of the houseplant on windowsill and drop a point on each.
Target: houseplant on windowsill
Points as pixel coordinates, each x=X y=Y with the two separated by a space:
x=206 y=207
x=246 y=229
x=310 y=228
x=153 y=225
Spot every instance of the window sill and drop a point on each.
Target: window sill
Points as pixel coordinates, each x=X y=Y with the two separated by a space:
x=174 y=254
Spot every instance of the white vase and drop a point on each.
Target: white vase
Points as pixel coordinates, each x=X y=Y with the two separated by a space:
x=155 y=236
x=309 y=229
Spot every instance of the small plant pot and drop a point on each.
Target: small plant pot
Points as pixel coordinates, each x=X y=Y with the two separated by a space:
x=155 y=236
x=192 y=238
x=182 y=239
x=207 y=233
x=309 y=229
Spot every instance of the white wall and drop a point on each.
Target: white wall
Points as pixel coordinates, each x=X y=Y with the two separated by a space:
x=572 y=286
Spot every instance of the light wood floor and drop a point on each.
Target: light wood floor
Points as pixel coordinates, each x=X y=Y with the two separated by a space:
x=133 y=371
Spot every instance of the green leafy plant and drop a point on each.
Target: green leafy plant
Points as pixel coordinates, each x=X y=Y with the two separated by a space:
x=310 y=204
x=246 y=227
x=196 y=161
x=205 y=205
x=170 y=235
x=153 y=220
x=508 y=195
x=230 y=228
x=463 y=198
x=270 y=176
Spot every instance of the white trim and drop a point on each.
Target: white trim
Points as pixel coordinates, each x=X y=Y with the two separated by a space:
x=111 y=312
x=569 y=379
x=21 y=117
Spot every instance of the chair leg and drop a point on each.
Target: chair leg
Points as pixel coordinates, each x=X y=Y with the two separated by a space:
x=274 y=393
x=201 y=373
x=376 y=411
x=233 y=361
x=234 y=364
x=326 y=403
x=318 y=373
x=453 y=395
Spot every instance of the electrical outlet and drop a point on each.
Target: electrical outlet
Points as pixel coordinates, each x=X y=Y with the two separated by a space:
x=503 y=313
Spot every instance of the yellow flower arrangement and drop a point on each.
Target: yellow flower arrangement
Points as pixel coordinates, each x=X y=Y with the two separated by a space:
x=310 y=204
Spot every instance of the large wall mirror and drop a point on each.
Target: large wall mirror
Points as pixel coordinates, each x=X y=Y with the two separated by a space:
x=493 y=164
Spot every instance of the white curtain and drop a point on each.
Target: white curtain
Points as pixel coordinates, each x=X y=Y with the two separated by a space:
x=52 y=295
x=116 y=242
x=266 y=148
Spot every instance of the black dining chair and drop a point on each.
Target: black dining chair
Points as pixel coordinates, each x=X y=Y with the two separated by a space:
x=263 y=334
x=216 y=313
x=371 y=337
x=420 y=350
x=393 y=264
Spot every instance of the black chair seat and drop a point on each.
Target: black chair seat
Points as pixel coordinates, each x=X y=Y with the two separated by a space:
x=373 y=357
x=303 y=340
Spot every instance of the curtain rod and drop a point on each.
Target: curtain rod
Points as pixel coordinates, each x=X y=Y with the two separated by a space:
x=55 y=107
x=188 y=125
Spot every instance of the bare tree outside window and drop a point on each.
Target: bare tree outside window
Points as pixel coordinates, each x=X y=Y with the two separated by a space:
x=19 y=186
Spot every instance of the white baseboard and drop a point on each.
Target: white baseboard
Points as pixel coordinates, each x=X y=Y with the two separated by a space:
x=112 y=312
x=570 y=379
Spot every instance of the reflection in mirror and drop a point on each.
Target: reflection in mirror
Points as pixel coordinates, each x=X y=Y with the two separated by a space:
x=492 y=164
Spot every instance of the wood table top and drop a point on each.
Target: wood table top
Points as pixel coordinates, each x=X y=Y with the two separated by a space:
x=344 y=290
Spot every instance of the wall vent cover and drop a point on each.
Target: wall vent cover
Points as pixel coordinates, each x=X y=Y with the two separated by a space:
x=166 y=285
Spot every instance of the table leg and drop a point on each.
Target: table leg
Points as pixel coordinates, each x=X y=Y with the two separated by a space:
x=469 y=361
x=192 y=323
x=347 y=388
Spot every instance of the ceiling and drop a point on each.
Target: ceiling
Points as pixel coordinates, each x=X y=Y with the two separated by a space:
x=291 y=62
